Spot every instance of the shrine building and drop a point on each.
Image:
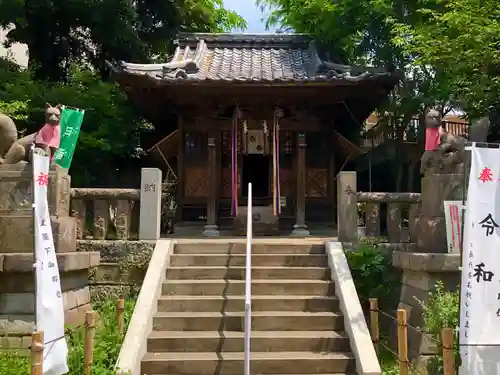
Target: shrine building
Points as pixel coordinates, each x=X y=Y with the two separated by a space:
x=265 y=109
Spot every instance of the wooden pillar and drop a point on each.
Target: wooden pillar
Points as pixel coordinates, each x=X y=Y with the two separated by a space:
x=179 y=190
x=211 y=229
x=300 y=227
x=332 y=180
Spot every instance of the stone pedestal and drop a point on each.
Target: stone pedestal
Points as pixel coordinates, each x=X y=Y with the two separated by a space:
x=421 y=272
x=16 y=253
x=264 y=221
x=431 y=225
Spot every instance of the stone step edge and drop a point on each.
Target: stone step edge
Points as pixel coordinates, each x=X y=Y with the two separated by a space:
x=255 y=334
x=209 y=314
x=188 y=297
x=236 y=356
x=254 y=281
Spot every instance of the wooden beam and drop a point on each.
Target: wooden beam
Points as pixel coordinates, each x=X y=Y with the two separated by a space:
x=222 y=124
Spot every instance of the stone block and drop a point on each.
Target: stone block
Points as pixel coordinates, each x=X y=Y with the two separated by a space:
x=16 y=191
x=16 y=234
x=23 y=262
x=431 y=237
x=22 y=282
x=75 y=298
x=347 y=209
x=421 y=272
x=76 y=317
x=438 y=188
x=18 y=324
x=64 y=233
x=59 y=194
x=150 y=216
x=264 y=222
x=17 y=303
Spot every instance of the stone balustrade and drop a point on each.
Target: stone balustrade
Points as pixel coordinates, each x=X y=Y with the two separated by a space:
x=99 y=210
x=366 y=210
x=401 y=211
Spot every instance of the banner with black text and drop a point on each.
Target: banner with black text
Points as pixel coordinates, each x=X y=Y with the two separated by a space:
x=49 y=299
x=480 y=282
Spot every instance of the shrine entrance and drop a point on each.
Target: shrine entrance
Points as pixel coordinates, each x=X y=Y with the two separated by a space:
x=282 y=125
x=256 y=169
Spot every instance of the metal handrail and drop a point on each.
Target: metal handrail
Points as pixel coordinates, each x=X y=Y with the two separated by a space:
x=248 y=284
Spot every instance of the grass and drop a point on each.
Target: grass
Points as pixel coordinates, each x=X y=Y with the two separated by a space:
x=107 y=344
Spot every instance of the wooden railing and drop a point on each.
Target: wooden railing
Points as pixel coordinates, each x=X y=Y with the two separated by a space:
x=99 y=212
x=401 y=211
x=376 y=136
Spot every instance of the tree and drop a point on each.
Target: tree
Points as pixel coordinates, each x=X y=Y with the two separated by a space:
x=111 y=131
x=61 y=32
x=365 y=32
x=461 y=37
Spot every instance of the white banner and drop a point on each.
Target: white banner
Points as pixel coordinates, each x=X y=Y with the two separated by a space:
x=453 y=218
x=49 y=301
x=480 y=284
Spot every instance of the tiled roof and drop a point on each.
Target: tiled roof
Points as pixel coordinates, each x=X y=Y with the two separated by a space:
x=249 y=58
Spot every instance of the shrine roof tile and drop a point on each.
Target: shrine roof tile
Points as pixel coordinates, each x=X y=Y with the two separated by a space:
x=250 y=58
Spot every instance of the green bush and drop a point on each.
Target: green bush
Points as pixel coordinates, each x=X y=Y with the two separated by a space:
x=441 y=311
x=107 y=344
x=373 y=274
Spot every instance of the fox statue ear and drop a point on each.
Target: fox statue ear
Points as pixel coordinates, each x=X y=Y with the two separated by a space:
x=47 y=106
x=59 y=107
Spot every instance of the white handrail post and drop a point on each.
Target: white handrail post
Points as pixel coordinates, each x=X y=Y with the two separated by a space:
x=248 y=284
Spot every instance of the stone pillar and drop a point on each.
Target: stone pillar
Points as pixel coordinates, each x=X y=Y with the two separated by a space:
x=16 y=253
x=420 y=273
x=211 y=229
x=431 y=226
x=300 y=227
x=150 y=214
x=347 y=209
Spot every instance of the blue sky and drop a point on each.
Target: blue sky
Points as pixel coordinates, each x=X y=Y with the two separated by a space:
x=250 y=12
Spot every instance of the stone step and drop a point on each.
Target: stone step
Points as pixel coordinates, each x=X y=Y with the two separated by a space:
x=240 y=248
x=261 y=341
x=232 y=363
x=237 y=287
x=219 y=303
x=261 y=321
x=284 y=260
x=238 y=273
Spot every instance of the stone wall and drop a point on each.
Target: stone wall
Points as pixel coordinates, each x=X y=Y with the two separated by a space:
x=421 y=272
x=17 y=299
x=122 y=268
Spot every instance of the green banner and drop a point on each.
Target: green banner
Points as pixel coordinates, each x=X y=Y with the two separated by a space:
x=71 y=122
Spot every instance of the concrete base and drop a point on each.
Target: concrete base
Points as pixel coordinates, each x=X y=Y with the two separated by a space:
x=300 y=231
x=421 y=272
x=17 y=299
x=211 y=231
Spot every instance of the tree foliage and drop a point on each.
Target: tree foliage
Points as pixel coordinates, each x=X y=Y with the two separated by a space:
x=461 y=37
x=365 y=32
x=60 y=32
x=111 y=130
x=69 y=41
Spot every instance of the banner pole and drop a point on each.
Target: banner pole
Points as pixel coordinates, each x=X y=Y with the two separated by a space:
x=33 y=211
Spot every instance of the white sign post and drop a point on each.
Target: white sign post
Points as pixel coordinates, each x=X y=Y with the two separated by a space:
x=480 y=284
x=453 y=218
x=49 y=301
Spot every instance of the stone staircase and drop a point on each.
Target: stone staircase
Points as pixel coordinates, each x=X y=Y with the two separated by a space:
x=297 y=325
